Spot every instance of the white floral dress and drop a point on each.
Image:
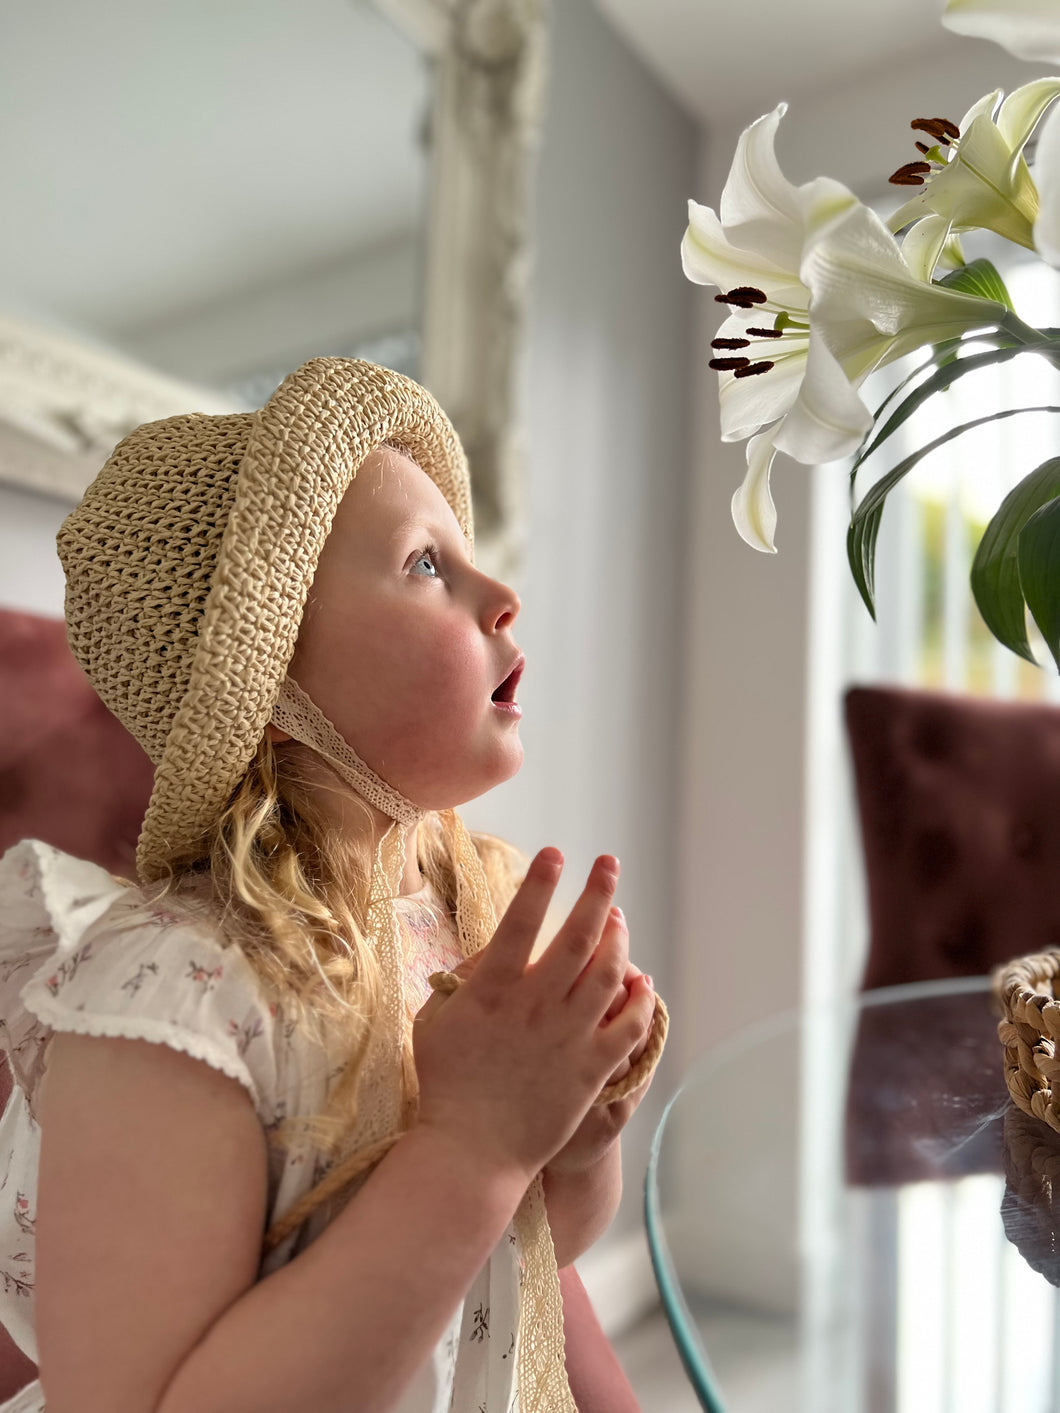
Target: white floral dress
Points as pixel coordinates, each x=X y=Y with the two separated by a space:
x=82 y=952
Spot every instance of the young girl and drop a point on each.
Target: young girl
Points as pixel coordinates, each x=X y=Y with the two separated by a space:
x=297 y=1124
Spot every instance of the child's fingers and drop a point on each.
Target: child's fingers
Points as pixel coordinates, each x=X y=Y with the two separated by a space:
x=594 y=992
x=631 y=1028
x=507 y=954
x=566 y=956
x=622 y=994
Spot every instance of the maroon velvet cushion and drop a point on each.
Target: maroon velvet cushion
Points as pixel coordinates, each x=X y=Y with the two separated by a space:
x=959 y=800
x=70 y=773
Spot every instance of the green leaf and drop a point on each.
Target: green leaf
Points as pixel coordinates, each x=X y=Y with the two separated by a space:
x=939 y=381
x=995 y=570
x=909 y=377
x=861 y=555
x=979 y=277
x=861 y=538
x=1038 y=557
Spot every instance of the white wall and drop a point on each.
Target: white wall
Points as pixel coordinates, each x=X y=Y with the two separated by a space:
x=604 y=618
x=280 y=324
x=31 y=577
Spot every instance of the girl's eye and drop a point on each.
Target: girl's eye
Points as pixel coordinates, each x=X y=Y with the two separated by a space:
x=428 y=555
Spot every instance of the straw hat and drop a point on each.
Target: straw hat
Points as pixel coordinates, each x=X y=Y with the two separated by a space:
x=190 y=558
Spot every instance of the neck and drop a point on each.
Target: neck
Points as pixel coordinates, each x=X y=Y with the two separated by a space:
x=348 y=813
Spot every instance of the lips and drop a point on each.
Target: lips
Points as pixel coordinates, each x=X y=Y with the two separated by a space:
x=505 y=691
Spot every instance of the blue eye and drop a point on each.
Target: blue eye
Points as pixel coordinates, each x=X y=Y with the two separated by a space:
x=430 y=554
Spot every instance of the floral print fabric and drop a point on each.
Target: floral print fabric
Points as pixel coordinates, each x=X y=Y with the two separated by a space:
x=81 y=951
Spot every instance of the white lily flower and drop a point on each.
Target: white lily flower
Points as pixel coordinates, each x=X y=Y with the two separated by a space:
x=822 y=295
x=1030 y=29
x=975 y=175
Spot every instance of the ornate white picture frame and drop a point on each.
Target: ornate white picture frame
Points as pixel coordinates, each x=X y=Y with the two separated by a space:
x=63 y=405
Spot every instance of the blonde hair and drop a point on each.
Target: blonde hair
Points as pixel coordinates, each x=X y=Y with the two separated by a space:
x=292 y=893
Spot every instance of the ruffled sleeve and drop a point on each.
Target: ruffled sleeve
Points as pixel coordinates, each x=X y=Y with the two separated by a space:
x=82 y=951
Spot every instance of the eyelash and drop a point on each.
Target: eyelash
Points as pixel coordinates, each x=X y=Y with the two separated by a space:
x=432 y=552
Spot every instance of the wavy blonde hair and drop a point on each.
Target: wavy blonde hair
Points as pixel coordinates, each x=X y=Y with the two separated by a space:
x=292 y=893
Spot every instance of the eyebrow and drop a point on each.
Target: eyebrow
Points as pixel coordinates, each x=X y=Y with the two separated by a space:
x=410 y=524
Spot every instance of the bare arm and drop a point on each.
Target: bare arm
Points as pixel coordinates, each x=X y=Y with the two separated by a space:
x=582 y=1205
x=152 y=1194
x=345 y=1324
x=151 y=1206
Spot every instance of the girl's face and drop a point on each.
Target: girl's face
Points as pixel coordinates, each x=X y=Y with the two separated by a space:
x=403 y=640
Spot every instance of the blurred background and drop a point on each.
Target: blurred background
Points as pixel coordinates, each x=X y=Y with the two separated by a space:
x=198 y=196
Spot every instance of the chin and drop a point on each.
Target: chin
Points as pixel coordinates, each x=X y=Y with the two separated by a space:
x=503 y=767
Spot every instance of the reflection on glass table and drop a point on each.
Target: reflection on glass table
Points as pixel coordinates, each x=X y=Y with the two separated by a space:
x=846 y=1214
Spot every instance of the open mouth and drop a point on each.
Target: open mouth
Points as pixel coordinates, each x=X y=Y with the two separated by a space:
x=505 y=693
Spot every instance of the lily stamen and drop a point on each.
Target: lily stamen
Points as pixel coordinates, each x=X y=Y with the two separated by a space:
x=912 y=174
x=730 y=343
x=941 y=129
x=767 y=333
x=744 y=297
x=727 y=365
x=752 y=369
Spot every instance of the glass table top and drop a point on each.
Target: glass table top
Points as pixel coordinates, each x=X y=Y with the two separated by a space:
x=846 y=1214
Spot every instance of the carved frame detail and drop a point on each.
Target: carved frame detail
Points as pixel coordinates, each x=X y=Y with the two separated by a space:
x=63 y=405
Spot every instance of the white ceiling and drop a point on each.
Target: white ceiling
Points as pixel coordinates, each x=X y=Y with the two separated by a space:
x=158 y=154
x=728 y=60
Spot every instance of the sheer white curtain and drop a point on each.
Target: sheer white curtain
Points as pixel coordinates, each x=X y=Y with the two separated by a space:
x=928 y=633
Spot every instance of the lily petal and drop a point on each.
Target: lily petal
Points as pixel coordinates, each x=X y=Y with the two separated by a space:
x=759 y=206
x=828 y=419
x=1030 y=29
x=923 y=246
x=746 y=404
x=1022 y=110
x=753 y=511
x=981 y=108
x=1047 y=173
x=708 y=257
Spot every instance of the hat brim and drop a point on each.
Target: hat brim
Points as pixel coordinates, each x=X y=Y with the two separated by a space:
x=303 y=450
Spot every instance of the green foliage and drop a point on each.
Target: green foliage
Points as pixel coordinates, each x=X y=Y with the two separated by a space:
x=865 y=521
x=1039 y=571
x=979 y=277
x=996 y=575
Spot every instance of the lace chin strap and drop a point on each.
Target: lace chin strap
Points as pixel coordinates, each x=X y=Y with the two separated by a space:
x=296 y=713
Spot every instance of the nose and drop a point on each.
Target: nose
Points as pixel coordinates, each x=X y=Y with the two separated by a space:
x=502 y=605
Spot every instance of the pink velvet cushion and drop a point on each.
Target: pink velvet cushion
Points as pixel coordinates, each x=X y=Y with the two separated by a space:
x=70 y=773
x=959 y=799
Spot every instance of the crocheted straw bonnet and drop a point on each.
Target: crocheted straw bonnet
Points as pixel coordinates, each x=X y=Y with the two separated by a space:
x=188 y=564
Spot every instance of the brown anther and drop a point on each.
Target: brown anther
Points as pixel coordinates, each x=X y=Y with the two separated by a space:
x=730 y=343
x=922 y=147
x=744 y=297
x=941 y=129
x=912 y=174
x=725 y=365
x=767 y=333
x=752 y=370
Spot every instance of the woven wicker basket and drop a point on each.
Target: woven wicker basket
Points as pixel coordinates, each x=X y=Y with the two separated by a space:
x=1030 y=1031
x=1030 y=1208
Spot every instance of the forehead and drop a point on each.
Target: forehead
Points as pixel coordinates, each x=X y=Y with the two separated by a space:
x=389 y=493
